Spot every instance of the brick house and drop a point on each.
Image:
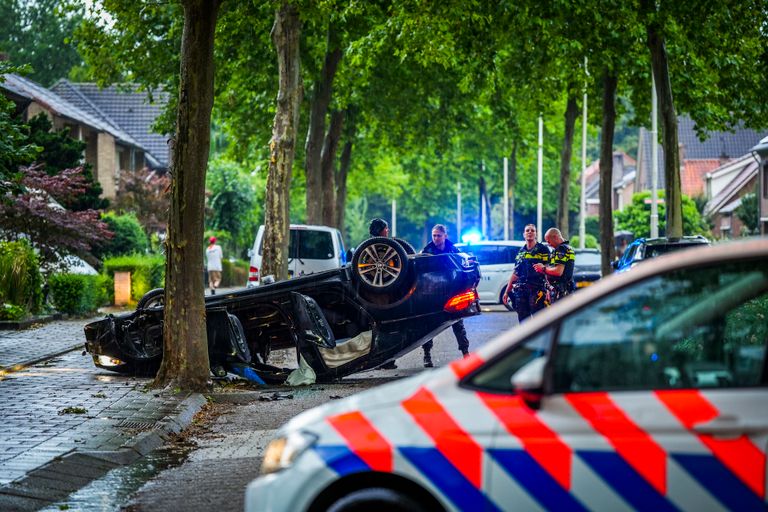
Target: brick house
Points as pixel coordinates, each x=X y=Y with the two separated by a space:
x=110 y=149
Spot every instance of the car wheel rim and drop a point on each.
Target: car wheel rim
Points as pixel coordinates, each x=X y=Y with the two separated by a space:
x=379 y=265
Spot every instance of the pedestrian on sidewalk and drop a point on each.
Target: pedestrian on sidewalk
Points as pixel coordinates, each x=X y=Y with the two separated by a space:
x=214 y=255
x=441 y=245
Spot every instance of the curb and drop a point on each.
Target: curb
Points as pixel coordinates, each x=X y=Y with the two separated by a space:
x=20 y=366
x=57 y=479
x=17 y=325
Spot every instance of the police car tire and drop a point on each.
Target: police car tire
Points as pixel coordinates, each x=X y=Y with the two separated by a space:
x=152 y=299
x=376 y=498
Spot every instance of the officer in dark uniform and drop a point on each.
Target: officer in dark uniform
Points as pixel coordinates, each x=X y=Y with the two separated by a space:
x=527 y=286
x=441 y=245
x=559 y=268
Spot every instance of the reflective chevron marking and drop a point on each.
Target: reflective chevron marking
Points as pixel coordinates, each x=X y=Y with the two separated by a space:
x=364 y=440
x=632 y=443
x=449 y=437
x=739 y=455
x=539 y=440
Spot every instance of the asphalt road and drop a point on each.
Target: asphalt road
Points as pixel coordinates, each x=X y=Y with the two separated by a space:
x=209 y=466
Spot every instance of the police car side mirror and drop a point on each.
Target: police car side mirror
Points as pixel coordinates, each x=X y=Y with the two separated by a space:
x=528 y=382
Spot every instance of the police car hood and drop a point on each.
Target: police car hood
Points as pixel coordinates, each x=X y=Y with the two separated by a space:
x=372 y=399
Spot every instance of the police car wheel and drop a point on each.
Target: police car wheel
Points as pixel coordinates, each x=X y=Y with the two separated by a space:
x=380 y=265
x=154 y=298
x=376 y=498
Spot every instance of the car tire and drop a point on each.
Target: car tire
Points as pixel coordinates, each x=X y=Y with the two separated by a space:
x=152 y=299
x=408 y=247
x=507 y=304
x=376 y=498
x=380 y=265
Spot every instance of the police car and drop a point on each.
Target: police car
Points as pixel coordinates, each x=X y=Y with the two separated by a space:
x=646 y=391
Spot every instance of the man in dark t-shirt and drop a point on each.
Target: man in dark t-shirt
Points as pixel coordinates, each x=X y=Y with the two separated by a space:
x=441 y=245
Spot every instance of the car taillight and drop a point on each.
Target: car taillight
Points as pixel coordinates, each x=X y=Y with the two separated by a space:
x=460 y=301
x=253 y=275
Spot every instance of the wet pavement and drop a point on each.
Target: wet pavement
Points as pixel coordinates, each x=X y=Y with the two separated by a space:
x=80 y=438
x=66 y=423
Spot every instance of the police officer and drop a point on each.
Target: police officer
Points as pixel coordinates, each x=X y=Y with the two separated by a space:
x=528 y=286
x=559 y=268
x=379 y=227
x=441 y=245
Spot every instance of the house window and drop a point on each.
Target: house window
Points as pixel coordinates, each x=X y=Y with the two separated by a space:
x=725 y=225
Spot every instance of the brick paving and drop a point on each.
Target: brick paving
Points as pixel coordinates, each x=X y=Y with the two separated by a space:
x=66 y=422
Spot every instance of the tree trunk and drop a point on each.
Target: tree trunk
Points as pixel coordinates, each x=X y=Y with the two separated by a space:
x=512 y=185
x=482 y=193
x=328 y=159
x=673 y=192
x=571 y=111
x=321 y=98
x=185 y=345
x=344 y=165
x=606 y=171
x=285 y=36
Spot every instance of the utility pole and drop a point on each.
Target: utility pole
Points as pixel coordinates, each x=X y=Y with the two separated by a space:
x=483 y=212
x=583 y=202
x=654 y=161
x=394 y=218
x=458 y=210
x=540 y=188
x=506 y=199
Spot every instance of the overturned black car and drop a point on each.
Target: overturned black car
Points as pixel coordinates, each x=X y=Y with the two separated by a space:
x=387 y=302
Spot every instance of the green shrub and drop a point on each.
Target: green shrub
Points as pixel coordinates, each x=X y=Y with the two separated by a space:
x=11 y=312
x=20 y=281
x=77 y=294
x=129 y=236
x=590 y=242
x=147 y=272
x=234 y=273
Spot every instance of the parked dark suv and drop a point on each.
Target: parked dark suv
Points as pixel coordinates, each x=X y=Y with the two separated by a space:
x=646 y=248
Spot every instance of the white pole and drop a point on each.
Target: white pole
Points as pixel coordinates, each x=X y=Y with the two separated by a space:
x=458 y=210
x=394 y=217
x=583 y=205
x=654 y=162
x=506 y=199
x=540 y=176
x=483 y=212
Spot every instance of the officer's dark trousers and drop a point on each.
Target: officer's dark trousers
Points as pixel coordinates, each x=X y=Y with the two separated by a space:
x=461 y=337
x=529 y=300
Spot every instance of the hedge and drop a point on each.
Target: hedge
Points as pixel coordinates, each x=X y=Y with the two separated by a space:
x=21 y=284
x=147 y=272
x=77 y=294
x=234 y=273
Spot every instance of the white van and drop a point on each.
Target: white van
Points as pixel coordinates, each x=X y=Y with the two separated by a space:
x=310 y=249
x=497 y=261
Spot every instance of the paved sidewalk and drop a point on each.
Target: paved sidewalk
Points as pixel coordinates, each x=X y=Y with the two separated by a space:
x=65 y=422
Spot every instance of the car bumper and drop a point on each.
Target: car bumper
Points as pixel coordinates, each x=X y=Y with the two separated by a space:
x=293 y=489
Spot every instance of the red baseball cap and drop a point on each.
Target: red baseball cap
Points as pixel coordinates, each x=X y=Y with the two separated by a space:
x=212 y=239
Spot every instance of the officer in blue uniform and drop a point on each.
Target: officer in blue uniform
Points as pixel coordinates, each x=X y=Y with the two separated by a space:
x=527 y=286
x=559 y=268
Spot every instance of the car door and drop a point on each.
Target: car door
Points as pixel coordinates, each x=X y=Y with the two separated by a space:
x=659 y=390
x=655 y=400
